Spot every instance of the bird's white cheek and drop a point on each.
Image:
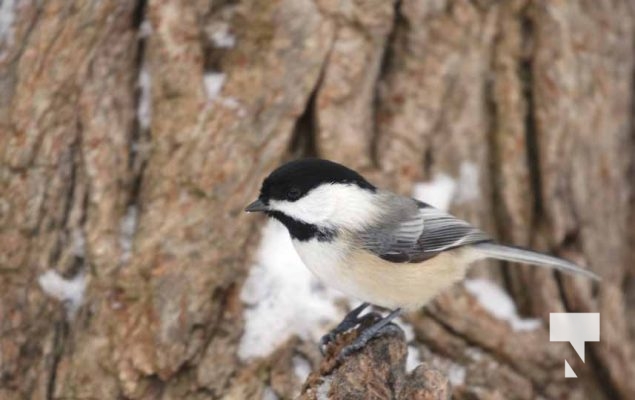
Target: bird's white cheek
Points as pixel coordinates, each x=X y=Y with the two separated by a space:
x=334 y=205
x=309 y=209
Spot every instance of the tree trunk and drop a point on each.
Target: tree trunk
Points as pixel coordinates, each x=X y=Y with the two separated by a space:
x=133 y=134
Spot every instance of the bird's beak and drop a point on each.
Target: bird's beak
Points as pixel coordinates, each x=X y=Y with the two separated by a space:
x=256 y=206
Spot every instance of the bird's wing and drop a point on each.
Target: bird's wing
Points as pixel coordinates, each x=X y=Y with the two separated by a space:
x=419 y=235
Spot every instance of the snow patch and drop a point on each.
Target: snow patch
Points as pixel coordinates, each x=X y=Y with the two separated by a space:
x=408 y=330
x=233 y=104
x=269 y=394
x=145 y=29
x=442 y=190
x=438 y=192
x=78 y=243
x=144 y=109
x=413 y=358
x=456 y=374
x=498 y=303
x=282 y=297
x=222 y=38
x=7 y=17
x=301 y=368
x=474 y=353
x=213 y=82
x=68 y=291
x=127 y=228
x=468 y=183
x=322 y=392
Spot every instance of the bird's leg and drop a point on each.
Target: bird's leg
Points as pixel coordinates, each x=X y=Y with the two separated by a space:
x=377 y=329
x=350 y=320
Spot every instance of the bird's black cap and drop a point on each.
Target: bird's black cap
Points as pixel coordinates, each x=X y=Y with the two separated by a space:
x=294 y=179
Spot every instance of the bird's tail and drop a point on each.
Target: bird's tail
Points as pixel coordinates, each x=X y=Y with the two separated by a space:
x=517 y=254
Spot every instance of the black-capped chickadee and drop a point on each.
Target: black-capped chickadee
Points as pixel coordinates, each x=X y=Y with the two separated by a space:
x=381 y=248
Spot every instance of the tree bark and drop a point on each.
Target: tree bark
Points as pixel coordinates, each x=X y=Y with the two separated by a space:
x=133 y=133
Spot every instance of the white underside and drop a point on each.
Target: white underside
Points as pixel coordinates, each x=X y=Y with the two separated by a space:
x=368 y=278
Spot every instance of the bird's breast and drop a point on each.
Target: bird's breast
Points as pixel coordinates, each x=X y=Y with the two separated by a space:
x=363 y=275
x=326 y=260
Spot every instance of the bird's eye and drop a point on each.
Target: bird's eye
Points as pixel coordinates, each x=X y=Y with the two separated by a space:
x=293 y=194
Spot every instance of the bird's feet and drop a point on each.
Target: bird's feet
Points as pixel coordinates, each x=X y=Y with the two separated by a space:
x=381 y=327
x=371 y=325
x=351 y=320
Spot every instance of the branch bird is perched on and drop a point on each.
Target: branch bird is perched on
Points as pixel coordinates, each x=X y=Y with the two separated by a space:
x=384 y=249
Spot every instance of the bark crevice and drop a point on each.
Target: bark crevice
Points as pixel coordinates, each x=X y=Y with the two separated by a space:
x=531 y=128
x=139 y=138
x=399 y=22
x=304 y=136
x=60 y=337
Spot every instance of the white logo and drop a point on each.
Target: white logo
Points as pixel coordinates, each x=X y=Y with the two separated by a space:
x=575 y=328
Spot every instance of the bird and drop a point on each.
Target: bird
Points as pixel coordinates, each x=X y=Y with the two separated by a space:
x=382 y=248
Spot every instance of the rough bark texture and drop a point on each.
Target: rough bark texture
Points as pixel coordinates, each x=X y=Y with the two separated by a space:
x=118 y=164
x=377 y=372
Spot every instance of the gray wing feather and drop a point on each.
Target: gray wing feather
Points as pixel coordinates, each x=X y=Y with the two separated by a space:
x=443 y=231
x=420 y=234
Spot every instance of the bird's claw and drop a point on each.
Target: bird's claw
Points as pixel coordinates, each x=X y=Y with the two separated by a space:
x=362 y=340
x=325 y=340
x=351 y=320
x=361 y=323
x=380 y=327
